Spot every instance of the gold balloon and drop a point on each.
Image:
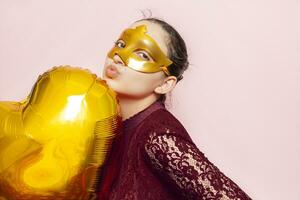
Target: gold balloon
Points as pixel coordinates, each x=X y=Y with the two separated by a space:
x=55 y=141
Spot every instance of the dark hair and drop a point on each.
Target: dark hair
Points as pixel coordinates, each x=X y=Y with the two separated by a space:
x=177 y=51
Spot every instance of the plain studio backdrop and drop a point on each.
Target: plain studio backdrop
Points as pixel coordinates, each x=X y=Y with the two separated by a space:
x=239 y=100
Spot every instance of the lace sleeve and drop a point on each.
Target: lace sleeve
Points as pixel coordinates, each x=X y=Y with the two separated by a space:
x=184 y=165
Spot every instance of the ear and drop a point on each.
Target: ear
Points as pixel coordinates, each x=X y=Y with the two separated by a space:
x=166 y=86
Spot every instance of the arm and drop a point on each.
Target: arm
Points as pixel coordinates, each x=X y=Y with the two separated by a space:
x=181 y=163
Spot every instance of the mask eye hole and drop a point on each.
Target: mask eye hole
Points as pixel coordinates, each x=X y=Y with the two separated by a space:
x=120 y=43
x=144 y=55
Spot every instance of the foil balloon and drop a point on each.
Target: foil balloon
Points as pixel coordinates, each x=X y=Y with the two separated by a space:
x=54 y=142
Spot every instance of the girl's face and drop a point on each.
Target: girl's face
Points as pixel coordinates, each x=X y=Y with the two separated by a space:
x=132 y=83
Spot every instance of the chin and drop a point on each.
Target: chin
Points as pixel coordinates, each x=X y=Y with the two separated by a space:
x=112 y=84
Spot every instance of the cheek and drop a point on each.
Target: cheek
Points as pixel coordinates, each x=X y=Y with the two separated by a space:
x=136 y=84
x=133 y=84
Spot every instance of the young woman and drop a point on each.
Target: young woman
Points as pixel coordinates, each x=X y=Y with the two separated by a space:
x=154 y=156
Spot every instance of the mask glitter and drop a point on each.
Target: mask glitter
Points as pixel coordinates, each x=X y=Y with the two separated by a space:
x=136 y=40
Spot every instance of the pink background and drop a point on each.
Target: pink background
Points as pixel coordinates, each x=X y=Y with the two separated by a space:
x=239 y=100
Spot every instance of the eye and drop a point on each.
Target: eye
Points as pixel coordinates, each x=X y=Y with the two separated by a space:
x=120 y=44
x=144 y=55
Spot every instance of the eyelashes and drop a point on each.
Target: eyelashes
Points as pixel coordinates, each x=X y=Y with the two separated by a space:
x=120 y=44
x=142 y=54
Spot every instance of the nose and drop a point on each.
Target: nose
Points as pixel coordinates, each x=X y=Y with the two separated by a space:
x=117 y=59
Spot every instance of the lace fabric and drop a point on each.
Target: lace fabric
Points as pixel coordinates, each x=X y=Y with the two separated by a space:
x=155 y=158
x=188 y=168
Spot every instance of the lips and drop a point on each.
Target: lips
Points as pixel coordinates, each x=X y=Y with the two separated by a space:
x=112 y=71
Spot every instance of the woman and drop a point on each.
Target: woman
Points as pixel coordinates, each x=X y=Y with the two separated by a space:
x=154 y=157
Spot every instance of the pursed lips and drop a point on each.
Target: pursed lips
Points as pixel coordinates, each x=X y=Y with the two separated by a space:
x=112 y=71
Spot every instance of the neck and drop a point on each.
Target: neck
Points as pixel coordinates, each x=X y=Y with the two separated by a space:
x=131 y=106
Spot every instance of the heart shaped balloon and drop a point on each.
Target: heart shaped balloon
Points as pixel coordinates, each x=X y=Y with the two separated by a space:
x=55 y=141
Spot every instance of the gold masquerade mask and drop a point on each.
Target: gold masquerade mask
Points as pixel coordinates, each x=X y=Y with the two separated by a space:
x=135 y=40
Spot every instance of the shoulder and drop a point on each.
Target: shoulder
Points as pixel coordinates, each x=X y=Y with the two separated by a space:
x=163 y=122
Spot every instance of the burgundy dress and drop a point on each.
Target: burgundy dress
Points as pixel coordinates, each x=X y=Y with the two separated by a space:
x=154 y=158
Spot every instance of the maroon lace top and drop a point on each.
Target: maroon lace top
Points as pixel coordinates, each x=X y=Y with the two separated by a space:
x=154 y=158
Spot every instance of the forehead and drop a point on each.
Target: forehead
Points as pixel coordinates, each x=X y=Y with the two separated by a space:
x=156 y=32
